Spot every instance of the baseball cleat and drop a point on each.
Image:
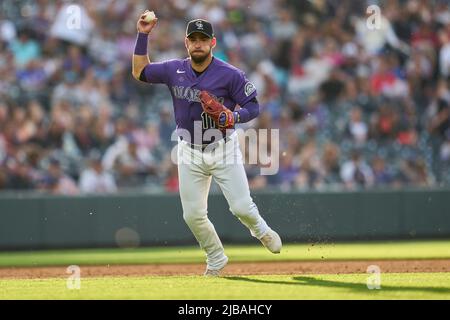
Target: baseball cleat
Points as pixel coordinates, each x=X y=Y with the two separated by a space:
x=272 y=241
x=215 y=272
x=212 y=273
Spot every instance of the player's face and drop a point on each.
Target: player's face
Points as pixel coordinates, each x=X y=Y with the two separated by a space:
x=199 y=46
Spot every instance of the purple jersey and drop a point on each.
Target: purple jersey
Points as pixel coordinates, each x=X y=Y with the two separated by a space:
x=222 y=80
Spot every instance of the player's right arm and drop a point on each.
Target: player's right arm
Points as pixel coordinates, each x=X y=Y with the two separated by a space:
x=140 y=56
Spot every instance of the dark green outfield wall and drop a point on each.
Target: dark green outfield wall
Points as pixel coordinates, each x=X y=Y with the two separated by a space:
x=37 y=222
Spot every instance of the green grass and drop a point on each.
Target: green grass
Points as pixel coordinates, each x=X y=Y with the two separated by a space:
x=332 y=286
x=345 y=286
x=291 y=252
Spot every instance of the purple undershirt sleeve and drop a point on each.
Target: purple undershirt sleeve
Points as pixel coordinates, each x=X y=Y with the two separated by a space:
x=140 y=48
x=248 y=112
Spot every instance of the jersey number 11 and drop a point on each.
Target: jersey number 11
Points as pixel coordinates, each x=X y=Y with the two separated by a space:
x=207 y=122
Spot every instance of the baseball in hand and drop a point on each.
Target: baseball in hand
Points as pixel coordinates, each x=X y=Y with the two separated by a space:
x=149 y=17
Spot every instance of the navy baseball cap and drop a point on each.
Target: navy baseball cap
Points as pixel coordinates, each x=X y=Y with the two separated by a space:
x=200 y=25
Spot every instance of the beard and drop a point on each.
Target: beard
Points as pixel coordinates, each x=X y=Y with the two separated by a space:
x=199 y=59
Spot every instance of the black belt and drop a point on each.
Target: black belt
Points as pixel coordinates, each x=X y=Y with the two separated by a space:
x=203 y=146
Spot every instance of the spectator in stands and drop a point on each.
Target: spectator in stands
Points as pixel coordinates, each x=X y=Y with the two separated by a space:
x=94 y=179
x=309 y=164
x=355 y=173
x=56 y=181
x=288 y=171
x=20 y=176
x=357 y=129
x=330 y=164
x=24 y=49
x=134 y=165
x=382 y=176
x=413 y=172
x=171 y=183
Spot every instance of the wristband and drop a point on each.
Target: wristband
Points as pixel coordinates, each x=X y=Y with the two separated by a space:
x=141 y=44
x=237 y=117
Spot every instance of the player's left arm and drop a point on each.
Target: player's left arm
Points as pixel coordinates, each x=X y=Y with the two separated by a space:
x=243 y=92
x=247 y=112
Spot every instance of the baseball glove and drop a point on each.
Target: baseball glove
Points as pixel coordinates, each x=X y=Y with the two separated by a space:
x=221 y=115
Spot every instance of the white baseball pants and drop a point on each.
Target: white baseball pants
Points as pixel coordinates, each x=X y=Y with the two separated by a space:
x=225 y=165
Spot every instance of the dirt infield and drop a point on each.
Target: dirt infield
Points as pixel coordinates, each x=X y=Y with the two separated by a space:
x=260 y=268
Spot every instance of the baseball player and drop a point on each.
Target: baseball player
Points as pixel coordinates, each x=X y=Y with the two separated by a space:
x=205 y=91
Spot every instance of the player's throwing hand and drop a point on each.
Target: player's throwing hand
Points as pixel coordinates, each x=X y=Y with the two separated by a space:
x=144 y=26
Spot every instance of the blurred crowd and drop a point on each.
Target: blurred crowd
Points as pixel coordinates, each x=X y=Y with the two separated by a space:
x=360 y=102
